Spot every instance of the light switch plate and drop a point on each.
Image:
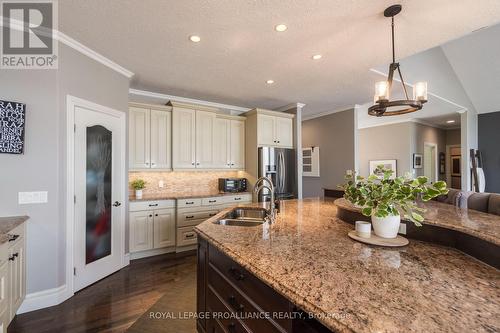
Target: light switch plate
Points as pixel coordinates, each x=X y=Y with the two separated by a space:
x=32 y=197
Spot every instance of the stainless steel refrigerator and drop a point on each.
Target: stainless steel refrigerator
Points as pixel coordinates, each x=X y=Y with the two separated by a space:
x=279 y=164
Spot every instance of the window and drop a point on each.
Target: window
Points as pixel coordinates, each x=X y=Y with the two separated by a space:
x=310 y=162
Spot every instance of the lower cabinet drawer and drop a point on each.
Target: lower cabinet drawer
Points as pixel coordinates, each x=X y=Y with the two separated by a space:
x=186 y=236
x=187 y=218
x=241 y=305
x=221 y=320
x=261 y=294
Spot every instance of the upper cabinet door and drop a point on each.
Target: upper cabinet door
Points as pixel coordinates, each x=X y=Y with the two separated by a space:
x=222 y=143
x=237 y=144
x=284 y=132
x=161 y=134
x=205 y=121
x=183 y=138
x=265 y=130
x=139 y=138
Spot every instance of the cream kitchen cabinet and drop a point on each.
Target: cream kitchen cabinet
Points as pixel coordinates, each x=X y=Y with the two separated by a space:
x=205 y=139
x=276 y=131
x=152 y=225
x=183 y=138
x=229 y=143
x=149 y=137
x=12 y=275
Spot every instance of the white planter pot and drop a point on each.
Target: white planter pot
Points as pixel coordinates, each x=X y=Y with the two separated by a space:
x=138 y=194
x=386 y=227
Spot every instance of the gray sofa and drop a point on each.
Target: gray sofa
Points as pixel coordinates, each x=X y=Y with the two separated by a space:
x=483 y=202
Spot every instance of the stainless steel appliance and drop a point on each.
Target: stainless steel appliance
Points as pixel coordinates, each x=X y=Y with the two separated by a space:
x=278 y=164
x=232 y=184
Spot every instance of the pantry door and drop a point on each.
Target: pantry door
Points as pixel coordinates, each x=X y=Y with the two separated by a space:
x=99 y=144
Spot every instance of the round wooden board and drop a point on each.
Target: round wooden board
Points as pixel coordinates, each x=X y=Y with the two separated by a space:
x=379 y=241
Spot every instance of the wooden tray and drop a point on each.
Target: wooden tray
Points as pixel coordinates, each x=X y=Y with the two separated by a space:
x=379 y=241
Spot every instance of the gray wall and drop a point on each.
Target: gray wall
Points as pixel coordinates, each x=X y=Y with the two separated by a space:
x=489 y=139
x=334 y=134
x=42 y=167
x=389 y=142
x=453 y=137
x=423 y=134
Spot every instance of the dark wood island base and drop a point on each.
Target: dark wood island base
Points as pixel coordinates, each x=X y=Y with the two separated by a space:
x=231 y=299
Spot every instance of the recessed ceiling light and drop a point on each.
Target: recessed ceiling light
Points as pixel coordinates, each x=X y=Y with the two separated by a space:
x=194 y=38
x=280 y=27
x=270 y=81
x=450 y=121
x=317 y=56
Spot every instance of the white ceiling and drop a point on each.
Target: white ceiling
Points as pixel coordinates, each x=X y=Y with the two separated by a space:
x=240 y=50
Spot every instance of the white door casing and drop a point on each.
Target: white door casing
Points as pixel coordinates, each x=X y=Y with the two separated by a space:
x=87 y=115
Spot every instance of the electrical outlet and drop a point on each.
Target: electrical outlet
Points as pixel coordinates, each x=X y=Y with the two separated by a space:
x=161 y=184
x=32 y=197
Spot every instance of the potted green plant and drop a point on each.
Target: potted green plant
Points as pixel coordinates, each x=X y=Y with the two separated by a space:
x=138 y=185
x=385 y=199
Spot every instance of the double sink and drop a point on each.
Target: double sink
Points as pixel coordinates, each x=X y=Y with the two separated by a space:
x=244 y=217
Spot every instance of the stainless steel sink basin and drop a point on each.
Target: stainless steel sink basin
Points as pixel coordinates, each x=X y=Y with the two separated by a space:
x=240 y=223
x=247 y=213
x=244 y=217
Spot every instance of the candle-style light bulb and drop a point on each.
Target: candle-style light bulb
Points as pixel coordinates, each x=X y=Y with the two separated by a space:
x=381 y=91
x=420 y=91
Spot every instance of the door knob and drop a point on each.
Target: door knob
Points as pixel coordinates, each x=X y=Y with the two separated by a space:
x=117 y=204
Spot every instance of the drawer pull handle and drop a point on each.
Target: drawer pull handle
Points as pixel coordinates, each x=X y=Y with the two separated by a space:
x=212 y=201
x=189 y=202
x=212 y=214
x=235 y=305
x=13 y=237
x=237 y=274
x=237 y=199
x=190 y=235
x=190 y=217
x=153 y=205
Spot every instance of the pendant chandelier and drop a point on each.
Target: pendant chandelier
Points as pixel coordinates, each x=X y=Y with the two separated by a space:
x=383 y=106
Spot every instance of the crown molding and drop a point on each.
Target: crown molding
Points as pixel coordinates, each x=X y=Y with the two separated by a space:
x=290 y=106
x=325 y=113
x=74 y=44
x=77 y=46
x=145 y=93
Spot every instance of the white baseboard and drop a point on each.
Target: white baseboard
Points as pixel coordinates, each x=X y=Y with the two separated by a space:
x=44 y=299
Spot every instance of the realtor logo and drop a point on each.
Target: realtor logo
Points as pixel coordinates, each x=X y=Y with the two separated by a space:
x=28 y=35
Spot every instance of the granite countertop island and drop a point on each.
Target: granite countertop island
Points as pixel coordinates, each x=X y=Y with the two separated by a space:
x=351 y=287
x=471 y=222
x=7 y=224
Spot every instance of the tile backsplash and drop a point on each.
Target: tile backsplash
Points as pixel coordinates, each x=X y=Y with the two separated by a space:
x=182 y=182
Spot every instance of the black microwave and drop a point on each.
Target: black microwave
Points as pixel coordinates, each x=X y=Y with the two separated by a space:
x=232 y=184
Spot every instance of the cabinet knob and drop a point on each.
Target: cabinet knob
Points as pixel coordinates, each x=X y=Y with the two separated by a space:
x=156 y=214
x=153 y=163
x=150 y=215
x=192 y=163
x=198 y=163
x=147 y=163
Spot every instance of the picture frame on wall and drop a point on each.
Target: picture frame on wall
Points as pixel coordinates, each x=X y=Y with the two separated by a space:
x=417 y=161
x=388 y=164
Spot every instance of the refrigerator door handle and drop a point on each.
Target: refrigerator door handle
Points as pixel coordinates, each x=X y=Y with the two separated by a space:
x=281 y=173
x=283 y=176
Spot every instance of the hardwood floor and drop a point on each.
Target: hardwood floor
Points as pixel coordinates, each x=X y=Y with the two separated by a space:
x=114 y=303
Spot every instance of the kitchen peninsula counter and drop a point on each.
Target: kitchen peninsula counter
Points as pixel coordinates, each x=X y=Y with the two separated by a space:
x=307 y=257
